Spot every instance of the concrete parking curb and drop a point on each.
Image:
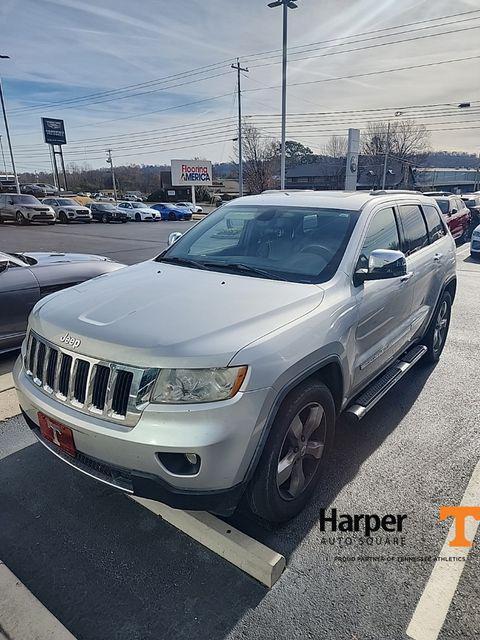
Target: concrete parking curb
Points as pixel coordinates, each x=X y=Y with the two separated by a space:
x=8 y=404
x=246 y=553
x=6 y=382
x=22 y=616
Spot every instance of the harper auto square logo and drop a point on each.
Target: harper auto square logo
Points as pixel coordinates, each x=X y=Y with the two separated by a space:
x=70 y=341
x=460 y=515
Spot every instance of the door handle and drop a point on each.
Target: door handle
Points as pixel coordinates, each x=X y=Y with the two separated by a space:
x=437 y=257
x=406 y=277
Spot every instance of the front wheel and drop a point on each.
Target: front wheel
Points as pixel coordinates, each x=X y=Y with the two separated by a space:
x=105 y=218
x=138 y=217
x=63 y=217
x=20 y=218
x=292 y=461
x=437 y=332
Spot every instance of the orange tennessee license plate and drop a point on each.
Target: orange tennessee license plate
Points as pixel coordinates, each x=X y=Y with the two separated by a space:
x=57 y=433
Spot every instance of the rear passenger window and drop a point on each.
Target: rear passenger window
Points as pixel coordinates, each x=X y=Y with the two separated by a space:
x=435 y=226
x=414 y=227
x=382 y=234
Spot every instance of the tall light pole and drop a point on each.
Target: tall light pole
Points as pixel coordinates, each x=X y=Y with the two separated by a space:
x=286 y=4
x=240 y=150
x=387 y=151
x=110 y=162
x=3 y=158
x=466 y=105
x=7 y=131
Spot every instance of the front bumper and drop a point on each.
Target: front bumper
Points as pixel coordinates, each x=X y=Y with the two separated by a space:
x=224 y=435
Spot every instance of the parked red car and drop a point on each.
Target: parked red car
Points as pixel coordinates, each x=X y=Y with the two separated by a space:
x=457 y=214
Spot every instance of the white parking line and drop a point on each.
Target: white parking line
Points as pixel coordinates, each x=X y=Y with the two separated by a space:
x=432 y=608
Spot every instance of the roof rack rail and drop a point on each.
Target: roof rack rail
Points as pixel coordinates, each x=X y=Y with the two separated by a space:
x=386 y=192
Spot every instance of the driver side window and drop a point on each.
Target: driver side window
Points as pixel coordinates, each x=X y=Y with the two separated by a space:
x=382 y=233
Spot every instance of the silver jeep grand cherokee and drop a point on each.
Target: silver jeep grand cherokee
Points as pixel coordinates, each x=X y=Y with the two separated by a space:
x=216 y=370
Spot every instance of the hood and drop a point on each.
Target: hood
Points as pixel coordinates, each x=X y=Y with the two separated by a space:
x=162 y=315
x=44 y=258
x=75 y=207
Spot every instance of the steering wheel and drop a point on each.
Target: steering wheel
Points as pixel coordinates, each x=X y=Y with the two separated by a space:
x=318 y=249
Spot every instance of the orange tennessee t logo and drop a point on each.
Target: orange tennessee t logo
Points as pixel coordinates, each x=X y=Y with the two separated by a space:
x=459 y=514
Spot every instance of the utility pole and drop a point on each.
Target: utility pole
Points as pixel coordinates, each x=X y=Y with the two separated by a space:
x=3 y=157
x=286 y=4
x=387 y=143
x=240 y=150
x=110 y=162
x=7 y=131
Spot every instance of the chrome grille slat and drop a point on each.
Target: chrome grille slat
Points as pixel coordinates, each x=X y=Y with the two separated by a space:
x=113 y=391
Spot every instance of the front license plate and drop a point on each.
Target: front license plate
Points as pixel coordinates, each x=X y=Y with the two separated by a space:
x=57 y=433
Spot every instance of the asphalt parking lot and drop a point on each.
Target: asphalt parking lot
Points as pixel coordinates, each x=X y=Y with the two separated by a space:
x=107 y=568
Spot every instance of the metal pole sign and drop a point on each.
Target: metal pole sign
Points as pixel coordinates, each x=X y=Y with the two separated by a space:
x=54 y=131
x=351 y=170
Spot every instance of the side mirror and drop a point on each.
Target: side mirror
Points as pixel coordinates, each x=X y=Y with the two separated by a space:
x=11 y=201
x=3 y=266
x=173 y=237
x=383 y=264
x=453 y=211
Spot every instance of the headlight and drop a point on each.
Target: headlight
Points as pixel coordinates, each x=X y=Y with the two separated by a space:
x=177 y=386
x=476 y=234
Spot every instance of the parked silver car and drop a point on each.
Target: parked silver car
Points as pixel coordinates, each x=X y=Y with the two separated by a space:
x=27 y=277
x=24 y=209
x=217 y=370
x=68 y=210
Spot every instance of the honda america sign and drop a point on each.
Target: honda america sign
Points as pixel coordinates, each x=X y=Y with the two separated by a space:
x=191 y=173
x=54 y=131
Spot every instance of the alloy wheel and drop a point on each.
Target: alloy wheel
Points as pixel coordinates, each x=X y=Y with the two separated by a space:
x=301 y=451
x=441 y=325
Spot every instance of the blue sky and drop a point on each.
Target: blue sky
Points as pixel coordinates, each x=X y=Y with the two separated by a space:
x=65 y=49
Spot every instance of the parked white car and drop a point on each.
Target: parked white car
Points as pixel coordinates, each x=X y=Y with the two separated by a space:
x=194 y=208
x=68 y=210
x=139 y=211
x=475 y=244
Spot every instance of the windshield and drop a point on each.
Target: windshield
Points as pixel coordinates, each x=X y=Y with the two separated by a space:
x=67 y=202
x=104 y=207
x=443 y=204
x=25 y=200
x=299 y=244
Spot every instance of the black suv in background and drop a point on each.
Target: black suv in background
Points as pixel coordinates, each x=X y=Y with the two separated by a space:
x=107 y=212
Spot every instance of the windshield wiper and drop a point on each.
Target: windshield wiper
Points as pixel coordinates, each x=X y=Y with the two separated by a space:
x=239 y=266
x=187 y=262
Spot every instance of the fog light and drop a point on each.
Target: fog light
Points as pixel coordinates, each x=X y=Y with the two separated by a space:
x=192 y=458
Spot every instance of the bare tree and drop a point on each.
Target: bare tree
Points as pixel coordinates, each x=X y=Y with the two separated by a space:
x=259 y=160
x=407 y=140
x=335 y=147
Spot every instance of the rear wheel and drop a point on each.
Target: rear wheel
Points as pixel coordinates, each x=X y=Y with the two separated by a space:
x=172 y=216
x=292 y=461
x=437 y=332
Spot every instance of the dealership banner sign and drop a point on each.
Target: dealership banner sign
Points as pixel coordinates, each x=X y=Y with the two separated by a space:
x=191 y=173
x=54 y=131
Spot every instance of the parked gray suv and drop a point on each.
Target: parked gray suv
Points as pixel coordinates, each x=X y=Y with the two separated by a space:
x=216 y=371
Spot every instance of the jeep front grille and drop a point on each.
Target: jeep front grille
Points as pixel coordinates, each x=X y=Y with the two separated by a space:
x=110 y=390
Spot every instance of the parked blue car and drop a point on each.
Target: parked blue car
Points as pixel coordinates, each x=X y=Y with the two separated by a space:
x=170 y=211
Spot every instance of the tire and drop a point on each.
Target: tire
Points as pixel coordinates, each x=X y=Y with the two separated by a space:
x=172 y=216
x=50 y=224
x=276 y=493
x=104 y=219
x=63 y=218
x=138 y=217
x=124 y=221
x=436 y=335
x=20 y=218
